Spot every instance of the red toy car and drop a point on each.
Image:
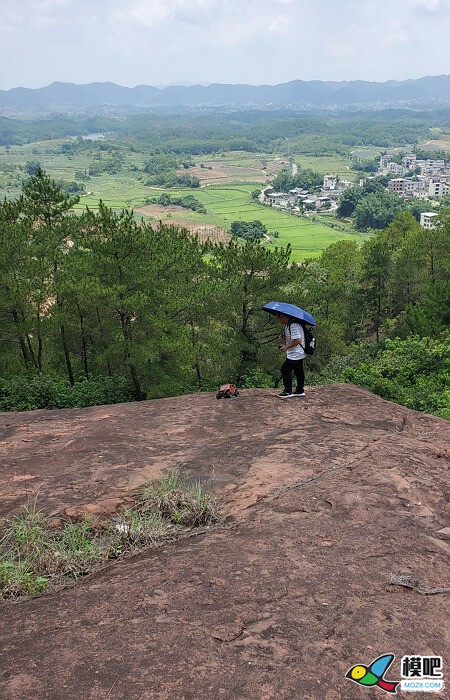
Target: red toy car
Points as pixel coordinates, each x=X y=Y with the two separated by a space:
x=226 y=391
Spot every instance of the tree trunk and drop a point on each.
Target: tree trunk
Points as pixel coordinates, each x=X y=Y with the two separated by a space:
x=21 y=341
x=40 y=344
x=31 y=351
x=377 y=321
x=196 y=364
x=67 y=355
x=83 y=343
x=125 y=324
x=102 y=335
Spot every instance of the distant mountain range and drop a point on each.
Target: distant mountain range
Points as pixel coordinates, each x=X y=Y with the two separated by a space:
x=295 y=94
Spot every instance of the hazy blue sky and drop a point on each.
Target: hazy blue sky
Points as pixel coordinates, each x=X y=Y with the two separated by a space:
x=158 y=42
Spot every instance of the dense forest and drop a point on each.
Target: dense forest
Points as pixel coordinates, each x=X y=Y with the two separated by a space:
x=246 y=130
x=99 y=308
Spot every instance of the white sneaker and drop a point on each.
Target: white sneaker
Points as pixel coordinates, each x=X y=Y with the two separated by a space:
x=286 y=394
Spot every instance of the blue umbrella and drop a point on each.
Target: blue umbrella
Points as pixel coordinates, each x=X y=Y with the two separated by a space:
x=280 y=307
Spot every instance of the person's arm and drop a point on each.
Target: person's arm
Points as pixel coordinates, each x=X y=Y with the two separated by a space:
x=289 y=346
x=295 y=329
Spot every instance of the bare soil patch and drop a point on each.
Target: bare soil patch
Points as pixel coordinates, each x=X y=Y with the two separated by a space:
x=437 y=145
x=204 y=232
x=160 y=212
x=220 y=172
x=327 y=497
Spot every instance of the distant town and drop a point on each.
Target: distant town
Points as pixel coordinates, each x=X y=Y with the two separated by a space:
x=415 y=178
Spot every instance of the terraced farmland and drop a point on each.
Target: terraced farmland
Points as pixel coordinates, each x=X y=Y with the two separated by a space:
x=225 y=202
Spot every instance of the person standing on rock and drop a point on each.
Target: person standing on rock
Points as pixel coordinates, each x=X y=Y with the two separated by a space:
x=294 y=344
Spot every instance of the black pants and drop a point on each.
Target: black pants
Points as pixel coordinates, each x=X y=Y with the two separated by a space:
x=295 y=366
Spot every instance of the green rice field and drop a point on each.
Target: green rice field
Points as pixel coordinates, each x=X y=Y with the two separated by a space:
x=307 y=236
x=224 y=203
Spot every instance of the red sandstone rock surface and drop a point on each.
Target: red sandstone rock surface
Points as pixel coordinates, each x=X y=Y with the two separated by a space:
x=328 y=496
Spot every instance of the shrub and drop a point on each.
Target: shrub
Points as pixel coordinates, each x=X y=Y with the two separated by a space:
x=27 y=393
x=255 y=379
x=414 y=372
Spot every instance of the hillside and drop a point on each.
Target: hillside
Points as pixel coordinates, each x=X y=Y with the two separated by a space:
x=295 y=94
x=327 y=498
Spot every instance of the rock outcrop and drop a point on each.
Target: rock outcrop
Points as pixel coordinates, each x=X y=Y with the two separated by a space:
x=328 y=498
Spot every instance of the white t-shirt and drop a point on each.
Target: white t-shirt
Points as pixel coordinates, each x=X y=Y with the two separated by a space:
x=294 y=331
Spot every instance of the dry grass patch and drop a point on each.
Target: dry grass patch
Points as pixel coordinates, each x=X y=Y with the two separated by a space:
x=178 y=502
x=35 y=557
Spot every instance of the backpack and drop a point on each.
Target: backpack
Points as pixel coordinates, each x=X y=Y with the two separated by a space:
x=310 y=341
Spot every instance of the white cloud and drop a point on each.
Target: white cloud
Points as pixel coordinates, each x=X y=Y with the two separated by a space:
x=430 y=5
x=255 y=41
x=141 y=12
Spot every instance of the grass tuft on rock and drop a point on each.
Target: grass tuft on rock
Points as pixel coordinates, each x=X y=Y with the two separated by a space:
x=138 y=529
x=179 y=502
x=35 y=556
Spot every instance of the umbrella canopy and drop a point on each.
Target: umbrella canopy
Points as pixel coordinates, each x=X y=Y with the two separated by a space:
x=281 y=307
